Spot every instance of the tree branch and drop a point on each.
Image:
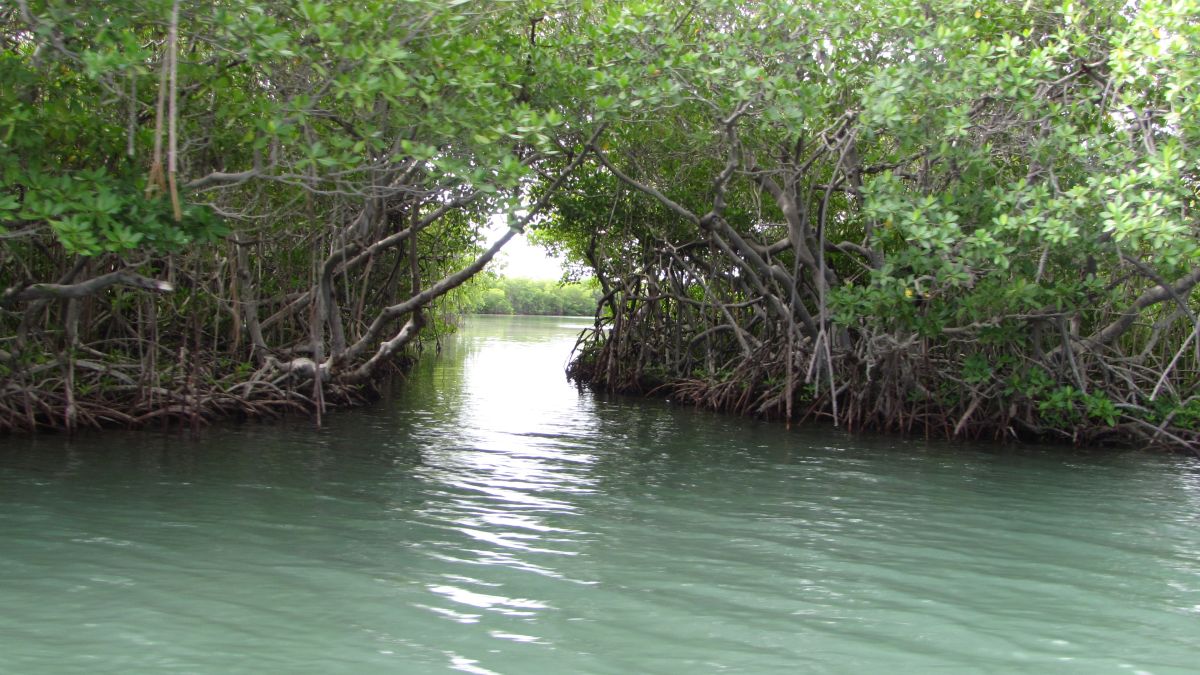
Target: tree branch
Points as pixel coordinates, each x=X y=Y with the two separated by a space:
x=82 y=289
x=1150 y=297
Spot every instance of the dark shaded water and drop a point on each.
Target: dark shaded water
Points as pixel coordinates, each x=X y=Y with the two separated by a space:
x=490 y=518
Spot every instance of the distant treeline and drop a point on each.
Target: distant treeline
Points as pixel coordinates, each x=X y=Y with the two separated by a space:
x=529 y=296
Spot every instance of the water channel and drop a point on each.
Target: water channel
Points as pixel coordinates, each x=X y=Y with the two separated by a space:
x=490 y=518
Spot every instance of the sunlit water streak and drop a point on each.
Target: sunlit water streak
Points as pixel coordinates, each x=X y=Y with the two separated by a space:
x=490 y=518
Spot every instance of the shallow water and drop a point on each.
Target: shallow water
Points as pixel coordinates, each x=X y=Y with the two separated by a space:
x=490 y=518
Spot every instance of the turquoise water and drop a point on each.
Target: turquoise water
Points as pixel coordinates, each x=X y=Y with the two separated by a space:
x=490 y=518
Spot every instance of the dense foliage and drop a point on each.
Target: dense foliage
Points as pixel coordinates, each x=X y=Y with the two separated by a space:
x=954 y=217
x=510 y=295
x=302 y=183
x=963 y=218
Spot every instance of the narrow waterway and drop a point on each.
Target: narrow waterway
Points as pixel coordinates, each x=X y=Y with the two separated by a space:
x=490 y=518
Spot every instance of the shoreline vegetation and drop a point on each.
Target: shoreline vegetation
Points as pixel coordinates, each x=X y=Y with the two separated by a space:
x=973 y=220
x=534 y=297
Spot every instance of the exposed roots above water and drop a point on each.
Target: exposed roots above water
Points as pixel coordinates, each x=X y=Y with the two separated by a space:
x=909 y=389
x=91 y=395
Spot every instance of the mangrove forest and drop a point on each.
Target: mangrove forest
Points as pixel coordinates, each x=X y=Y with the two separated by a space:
x=954 y=219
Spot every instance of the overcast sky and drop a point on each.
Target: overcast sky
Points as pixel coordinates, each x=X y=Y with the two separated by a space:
x=520 y=259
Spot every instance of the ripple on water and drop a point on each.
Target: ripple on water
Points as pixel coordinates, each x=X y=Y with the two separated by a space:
x=490 y=518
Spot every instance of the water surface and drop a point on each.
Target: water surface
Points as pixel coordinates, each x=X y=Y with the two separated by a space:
x=490 y=518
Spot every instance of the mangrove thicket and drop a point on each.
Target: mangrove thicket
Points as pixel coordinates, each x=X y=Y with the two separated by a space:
x=952 y=218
